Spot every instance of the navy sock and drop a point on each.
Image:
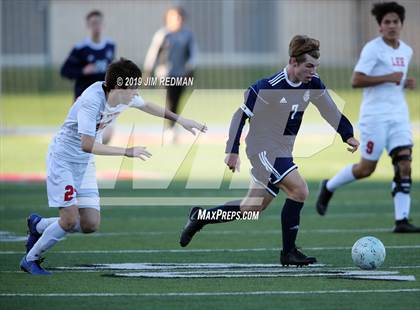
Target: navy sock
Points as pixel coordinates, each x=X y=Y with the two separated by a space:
x=290 y=218
x=218 y=215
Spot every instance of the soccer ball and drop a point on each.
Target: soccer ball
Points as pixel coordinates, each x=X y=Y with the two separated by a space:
x=368 y=253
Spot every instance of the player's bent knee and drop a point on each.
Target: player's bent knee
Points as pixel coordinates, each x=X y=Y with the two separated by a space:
x=404 y=168
x=299 y=193
x=68 y=223
x=401 y=160
x=365 y=171
x=89 y=227
x=252 y=207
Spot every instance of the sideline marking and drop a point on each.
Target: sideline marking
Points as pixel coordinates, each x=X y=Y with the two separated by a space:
x=177 y=294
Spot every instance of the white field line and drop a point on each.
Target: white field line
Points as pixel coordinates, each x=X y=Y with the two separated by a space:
x=241 y=232
x=194 y=294
x=364 y=215
x=220 y=270
x=218 y=266
x=190 y=266
x=227 y=267
x=6 y=236
x=385 y=278
x=140 y=202
x=147 y=251
x=177 y=275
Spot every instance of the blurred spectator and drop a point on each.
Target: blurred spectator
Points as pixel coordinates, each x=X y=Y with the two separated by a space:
x=172 y=53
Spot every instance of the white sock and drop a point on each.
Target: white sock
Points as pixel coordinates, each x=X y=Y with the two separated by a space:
x=402 y=203
x=44 y=223
x=49 y=238
x=343 y=177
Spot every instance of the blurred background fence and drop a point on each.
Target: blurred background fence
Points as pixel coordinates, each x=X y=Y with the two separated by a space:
x=239 y=41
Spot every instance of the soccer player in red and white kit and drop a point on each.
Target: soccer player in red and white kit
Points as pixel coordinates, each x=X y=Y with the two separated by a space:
x=71 y=177
x=384 y=116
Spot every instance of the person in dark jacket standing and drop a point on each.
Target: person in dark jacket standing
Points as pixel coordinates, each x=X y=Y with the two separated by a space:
x=89 y=59
x=172 y=53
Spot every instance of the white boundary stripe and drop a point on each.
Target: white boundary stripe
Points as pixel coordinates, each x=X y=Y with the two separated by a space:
x=386 y=278
x=164 y=201
x=241 y=274
x=145 y=251
x=192 y=294
x=232 y=270
x=230 y=266
x=224 y=274
x=15 y=238
x=205 y=266
x=253 y=232
x=233 y=232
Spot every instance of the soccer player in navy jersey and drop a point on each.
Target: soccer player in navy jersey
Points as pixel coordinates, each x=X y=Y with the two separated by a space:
x=274 y=107
x=89 y=59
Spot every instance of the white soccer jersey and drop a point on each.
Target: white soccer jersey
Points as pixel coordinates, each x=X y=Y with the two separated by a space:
x=385 y=101
x=89 y=115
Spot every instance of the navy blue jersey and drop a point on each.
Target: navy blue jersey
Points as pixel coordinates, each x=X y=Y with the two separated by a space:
x=88 y=52
x=275 y=108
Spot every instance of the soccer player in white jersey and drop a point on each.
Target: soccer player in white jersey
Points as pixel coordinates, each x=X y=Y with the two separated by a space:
x=384 y=117
x=71 y=179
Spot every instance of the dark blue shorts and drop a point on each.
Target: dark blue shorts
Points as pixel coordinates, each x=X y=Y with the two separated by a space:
x=268 y=170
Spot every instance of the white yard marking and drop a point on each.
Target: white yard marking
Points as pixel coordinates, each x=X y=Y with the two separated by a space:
x=388 y=276
x=7 y=236
x=193 y=294
x=190 y=266
x=220 y=270
x=385 y=277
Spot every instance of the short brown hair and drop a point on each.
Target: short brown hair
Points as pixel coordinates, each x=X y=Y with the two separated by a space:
x=119 y=71
x=179 y=9
x=93 y=13
x=300 y=45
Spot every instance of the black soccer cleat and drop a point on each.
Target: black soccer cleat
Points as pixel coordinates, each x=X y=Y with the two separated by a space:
x=404 y=226
x=193 y=225
x=297 y=258
x=324 y=197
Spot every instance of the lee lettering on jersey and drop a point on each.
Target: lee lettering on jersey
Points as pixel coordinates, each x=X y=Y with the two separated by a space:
x=398 y=61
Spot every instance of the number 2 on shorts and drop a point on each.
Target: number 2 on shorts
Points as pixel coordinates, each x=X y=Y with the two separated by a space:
x=68 y=195
x=369 y=147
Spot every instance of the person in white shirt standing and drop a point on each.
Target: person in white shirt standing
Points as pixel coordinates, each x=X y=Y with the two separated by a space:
x=384 y=116
x=71 y=177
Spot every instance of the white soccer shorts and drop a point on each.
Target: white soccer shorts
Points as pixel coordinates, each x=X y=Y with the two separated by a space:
x=71 y=184
x=377 y=136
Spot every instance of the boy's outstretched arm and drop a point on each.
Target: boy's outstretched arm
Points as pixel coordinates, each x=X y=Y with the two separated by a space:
x=89 y=145
x=159 y=111
x=329 y=111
